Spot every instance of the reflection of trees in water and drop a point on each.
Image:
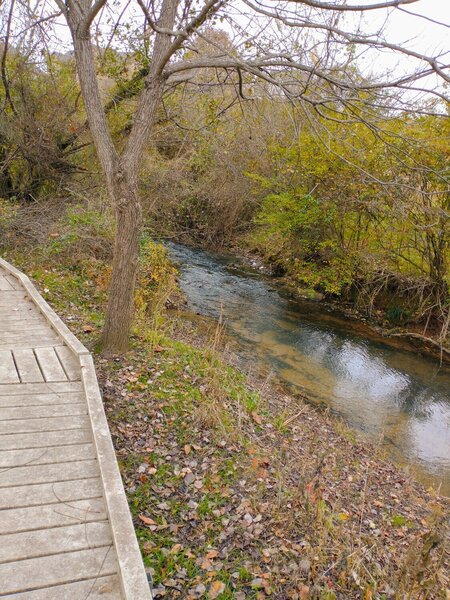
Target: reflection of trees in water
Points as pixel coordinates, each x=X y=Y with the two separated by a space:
x=369 y=375
x=430 y=436
x=419 y=403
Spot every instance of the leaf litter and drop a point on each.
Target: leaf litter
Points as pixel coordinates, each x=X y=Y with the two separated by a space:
x=261 y=495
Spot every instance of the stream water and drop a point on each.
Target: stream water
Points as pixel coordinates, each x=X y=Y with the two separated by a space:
x=393 y=396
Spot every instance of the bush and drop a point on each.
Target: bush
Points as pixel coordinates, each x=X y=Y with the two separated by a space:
x=157 y=279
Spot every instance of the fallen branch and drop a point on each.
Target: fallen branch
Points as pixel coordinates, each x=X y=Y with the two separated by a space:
x=422 y=338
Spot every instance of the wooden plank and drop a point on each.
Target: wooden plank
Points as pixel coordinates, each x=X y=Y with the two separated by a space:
x=13 y=281
x=8 y=372
x=48 y=571
x=27 y=340
x=10 y=330
x=30 y=518
x=18 y=329
x=30 y=343
x=43 y=439
x=44 y=456
x=99 y=588
x=41 y=388
x=48 y=473
x=42 y=412
x=50 y=365
x=27 y=366
x=50 y=493
x=16 y=306
x=62 y=329
x=70 y=363
x=19 y=294
x=44 y=425
x=46 y=435
x=25 y=400
x=42 y=542
x=19 y=297
x=128 y=555
x=5 y=285
x=33 y=317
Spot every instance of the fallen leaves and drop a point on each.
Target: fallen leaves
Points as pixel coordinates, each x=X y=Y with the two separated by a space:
x=254 y=520
x=147 y=520
x=217 y=588
x=257 y=418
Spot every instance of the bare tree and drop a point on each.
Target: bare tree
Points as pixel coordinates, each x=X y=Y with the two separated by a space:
x=298 y=48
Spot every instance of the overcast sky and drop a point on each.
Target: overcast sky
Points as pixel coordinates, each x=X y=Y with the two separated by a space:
x=422 y=34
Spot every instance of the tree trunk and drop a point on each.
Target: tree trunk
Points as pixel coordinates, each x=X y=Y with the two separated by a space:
x=123 y=194
x=121 y=171
x=119 y=313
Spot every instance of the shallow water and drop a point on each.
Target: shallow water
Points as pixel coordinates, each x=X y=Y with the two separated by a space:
x=394 y=396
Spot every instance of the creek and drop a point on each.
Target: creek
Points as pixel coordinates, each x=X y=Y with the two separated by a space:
x=393 y=396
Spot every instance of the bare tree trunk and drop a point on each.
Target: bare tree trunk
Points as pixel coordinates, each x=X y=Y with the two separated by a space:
x=124 y=194
x=122 y=171
x=125 y=198
x=122 y=190
x=119 y=313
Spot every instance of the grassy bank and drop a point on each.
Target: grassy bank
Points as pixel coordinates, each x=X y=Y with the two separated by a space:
x=237 y=491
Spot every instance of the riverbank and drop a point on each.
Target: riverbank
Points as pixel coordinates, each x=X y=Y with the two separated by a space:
x=237 y=489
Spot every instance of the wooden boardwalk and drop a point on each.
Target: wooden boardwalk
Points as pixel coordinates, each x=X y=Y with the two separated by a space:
x=65 y=528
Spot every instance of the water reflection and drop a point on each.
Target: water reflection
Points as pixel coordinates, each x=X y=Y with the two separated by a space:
x=385 y=392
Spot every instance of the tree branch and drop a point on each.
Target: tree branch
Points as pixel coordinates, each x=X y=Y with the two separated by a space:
x=354 y=7
x=61 y=5
x=351 y=38
x=211 y=7
x=93 y=12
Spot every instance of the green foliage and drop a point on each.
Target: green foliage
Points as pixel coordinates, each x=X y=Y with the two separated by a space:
x=294 y=213
x=398 y=521
x=398 y=314
x=336 y=205
x=37 y=120
x=297 y=231
x=157 y=281
x=330 y=227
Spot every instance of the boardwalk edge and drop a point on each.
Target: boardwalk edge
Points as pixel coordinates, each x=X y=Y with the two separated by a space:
x=133 y=577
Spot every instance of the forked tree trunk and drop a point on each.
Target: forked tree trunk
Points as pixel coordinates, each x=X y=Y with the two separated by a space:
x=121 y=170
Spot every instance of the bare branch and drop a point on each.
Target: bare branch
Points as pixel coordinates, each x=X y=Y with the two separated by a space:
x=353 y=39
x=409 y=12
x=62 y=6
x=156 y=28
x=211 y=7
x=93 y=12
x=354 y=7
